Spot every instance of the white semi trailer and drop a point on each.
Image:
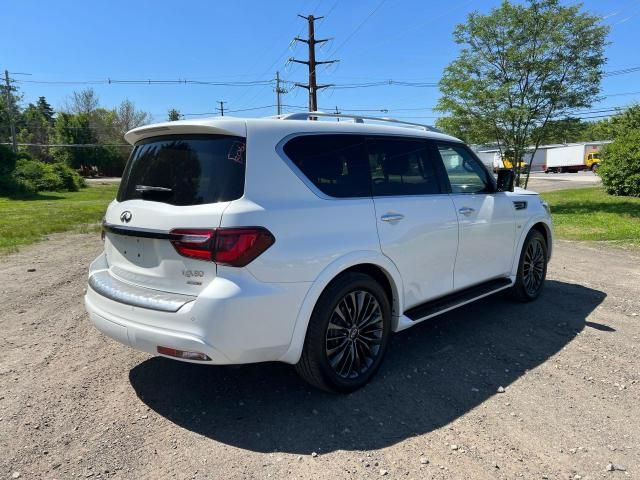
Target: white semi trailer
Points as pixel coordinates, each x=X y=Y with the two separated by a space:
x=573 y=158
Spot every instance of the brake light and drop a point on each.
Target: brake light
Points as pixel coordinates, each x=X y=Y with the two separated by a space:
x=235 y=247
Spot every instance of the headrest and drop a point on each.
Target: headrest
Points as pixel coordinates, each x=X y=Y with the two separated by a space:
x=327 y=167
x=396 y=164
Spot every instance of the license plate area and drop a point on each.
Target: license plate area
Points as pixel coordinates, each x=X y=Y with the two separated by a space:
x=131 y=248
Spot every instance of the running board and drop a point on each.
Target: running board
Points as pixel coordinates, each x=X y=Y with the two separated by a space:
x=456 y=299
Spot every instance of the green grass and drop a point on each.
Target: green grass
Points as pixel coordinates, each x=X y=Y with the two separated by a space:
x=590 y=214
x=27 y=220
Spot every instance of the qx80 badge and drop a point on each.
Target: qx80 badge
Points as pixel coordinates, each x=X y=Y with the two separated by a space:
x=126 y=216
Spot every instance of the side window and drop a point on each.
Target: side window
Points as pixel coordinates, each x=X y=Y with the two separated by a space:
x=465 y=173
x=336 y=164
x=401 y=166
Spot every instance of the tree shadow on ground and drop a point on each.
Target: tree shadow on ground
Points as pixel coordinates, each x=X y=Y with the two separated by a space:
x=33 y=197
x=433 y=374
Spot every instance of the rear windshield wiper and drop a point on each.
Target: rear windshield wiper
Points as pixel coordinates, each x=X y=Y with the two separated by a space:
x=151 y=188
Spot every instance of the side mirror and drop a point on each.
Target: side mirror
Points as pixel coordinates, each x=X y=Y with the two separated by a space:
x=506 y=180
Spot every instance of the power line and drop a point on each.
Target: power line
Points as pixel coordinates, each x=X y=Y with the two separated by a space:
x=277 y=60
x=621 y=94
x=389 y=82
x=623 y=71
x=350 y=36
x=266 y=82
x=109 y=81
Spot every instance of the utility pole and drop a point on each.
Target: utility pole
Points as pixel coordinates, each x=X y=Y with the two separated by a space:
x=279 y=91
x=221 y=107
x=10 y=111
x=312 y=63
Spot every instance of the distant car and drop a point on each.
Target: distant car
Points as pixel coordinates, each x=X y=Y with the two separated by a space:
x=305 y=241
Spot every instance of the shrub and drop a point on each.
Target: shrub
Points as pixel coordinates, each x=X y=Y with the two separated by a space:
x=70 y=179
x=620 y=166
x=31 y=176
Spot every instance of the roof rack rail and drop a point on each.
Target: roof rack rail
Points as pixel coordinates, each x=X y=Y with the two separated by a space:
x=355 y=118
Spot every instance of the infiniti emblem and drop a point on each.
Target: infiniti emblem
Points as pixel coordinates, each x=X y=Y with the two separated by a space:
x=126 y=216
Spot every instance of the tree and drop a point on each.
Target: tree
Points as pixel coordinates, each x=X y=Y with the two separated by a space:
x=566 y=130
x=83 y=102
x=45 y=109
x=174 y=115
x=75 y=130
x=36 y=128
x=521 y=66
x=620 y=123
x=128 y=118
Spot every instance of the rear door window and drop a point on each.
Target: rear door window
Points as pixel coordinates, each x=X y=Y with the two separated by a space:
x=185 y=170
x=401 y=166
x=335 y=164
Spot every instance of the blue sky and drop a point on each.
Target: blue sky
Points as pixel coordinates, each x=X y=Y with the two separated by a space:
x=242 y=40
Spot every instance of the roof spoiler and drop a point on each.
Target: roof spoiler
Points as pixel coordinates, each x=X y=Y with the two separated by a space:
x=219 y=126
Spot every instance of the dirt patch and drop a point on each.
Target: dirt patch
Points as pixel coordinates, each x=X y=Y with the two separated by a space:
x=76 y=404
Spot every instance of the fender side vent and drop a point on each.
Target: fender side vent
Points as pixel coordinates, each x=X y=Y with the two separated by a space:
x=520 y=204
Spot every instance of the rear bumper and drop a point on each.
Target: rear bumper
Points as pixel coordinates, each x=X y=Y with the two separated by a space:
x=144 y=337
x=235 y=319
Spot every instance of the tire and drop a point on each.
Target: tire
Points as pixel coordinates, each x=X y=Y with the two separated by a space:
x=594 y=168
x=362 y=349
x=532 y=268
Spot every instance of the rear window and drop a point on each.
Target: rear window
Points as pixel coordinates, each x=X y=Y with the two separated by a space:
x=185 y=170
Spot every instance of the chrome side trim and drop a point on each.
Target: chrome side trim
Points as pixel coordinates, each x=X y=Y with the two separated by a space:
x=107 y=286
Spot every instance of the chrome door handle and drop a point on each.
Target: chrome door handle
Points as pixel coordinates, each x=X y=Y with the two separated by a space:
x=466 y=211
x=392 y=217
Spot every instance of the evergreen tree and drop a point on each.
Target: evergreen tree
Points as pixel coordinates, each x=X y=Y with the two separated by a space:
x=45 y=109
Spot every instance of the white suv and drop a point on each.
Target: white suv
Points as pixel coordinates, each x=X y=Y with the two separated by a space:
x=305 y=241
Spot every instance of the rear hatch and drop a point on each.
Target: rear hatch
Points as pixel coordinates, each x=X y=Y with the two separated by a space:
x=176 y=182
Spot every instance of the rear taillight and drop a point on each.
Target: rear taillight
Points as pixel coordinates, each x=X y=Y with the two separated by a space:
x=238 y=247
x=235 y=247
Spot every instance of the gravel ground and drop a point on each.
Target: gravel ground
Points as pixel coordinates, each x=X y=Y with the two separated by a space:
x=493 y=390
